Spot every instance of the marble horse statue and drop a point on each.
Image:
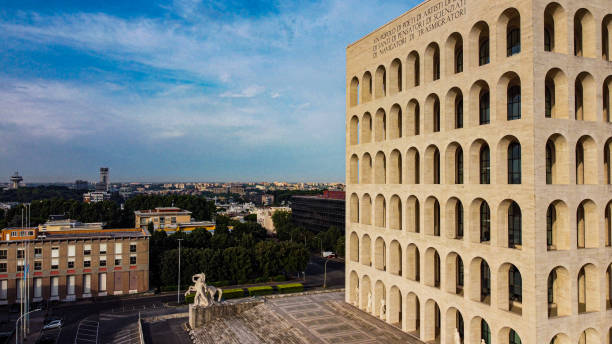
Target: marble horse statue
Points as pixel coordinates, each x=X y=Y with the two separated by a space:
x=200 y=289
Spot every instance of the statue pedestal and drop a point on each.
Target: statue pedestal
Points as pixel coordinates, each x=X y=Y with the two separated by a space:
x=194 y=317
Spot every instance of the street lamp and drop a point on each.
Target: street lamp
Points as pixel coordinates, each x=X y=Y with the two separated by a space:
x=321 y=245
x=178 y=290
x=17 y=322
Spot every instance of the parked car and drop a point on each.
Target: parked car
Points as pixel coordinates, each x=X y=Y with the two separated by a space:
x=53 y=324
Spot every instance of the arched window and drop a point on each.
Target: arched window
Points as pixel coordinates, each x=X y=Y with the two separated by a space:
x=436 y=65
x=436 y=116
x=551 y=217
x=459 y=219
x=551 y=287
x=514 y=225
x=485 y=332
x=514 y=163
x=548 y=39
x=483 y=52
x=436 y=219
x=485 y=107
x=459 y=113
x=459 y=60
x=436 y=171
x=513 y=41
x=550 y=159
x=515 y=284
x=485 y=222
x=459 y=166
x=485 y=282
x=485 y=165
x=514 y=102
x=513 y=338
x=460 y=279
x=548 y=103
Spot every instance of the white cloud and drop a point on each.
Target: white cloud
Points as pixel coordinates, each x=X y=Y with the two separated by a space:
x=248 y=92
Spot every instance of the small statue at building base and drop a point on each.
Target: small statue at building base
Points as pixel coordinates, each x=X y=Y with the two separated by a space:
x=369 y=307
x=383 y=309
x=204 y=295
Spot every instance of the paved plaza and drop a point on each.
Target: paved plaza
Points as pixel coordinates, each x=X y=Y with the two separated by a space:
x=316 y=318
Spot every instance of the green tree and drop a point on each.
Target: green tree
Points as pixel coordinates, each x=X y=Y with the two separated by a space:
x=251 y=218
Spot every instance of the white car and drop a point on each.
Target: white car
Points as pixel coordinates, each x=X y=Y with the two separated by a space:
x=53 y=324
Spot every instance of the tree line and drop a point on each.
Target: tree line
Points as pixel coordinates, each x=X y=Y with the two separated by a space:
x=240 y=255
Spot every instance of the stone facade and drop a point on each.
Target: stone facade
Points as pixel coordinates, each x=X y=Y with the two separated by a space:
x=478 y=140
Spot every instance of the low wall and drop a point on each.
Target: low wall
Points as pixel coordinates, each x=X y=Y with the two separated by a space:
x=199 y=316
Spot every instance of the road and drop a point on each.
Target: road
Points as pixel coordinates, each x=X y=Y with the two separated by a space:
x=85 y=313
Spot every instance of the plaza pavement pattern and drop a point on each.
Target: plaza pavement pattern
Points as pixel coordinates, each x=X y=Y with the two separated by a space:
x=317 y=319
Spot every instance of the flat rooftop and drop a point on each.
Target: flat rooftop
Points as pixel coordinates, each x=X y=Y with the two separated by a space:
x=310 y=319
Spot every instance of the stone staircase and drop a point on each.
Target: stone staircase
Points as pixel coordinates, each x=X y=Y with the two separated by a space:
x=254 y=326
x=386 y=333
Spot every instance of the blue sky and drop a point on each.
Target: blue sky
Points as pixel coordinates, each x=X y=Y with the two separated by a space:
x=184 y=90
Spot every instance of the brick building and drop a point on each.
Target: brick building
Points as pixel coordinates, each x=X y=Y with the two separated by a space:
x=318 y=213
x=73 y=264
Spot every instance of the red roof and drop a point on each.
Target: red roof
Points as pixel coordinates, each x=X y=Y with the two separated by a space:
x=340 y=195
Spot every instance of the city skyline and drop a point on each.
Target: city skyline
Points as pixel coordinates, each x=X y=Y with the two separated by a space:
x=182 y=91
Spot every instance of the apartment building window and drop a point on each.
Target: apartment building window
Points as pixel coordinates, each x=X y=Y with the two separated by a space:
x=118 y=248
x=133 y=248
x=86 y=284
x=102 y=282
x=71 y=251
x=102 y=260
x=102 y=248
x=3 y=289
x=54 y=286
x=54 y=263
x=3 y=254
x=86 y=262
x=162 y=220
x=87 y=250
x=70 y=284
x=70 y=263
x=38 y=265
x=20 y=265
x=54 y=252
x=173 y=220
x=133 y=260
x=38 y=252
x=117 y=260
x=3 y=267
x=20 y=253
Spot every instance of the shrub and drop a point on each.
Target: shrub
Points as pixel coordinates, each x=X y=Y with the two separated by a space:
x=168 y=288
x=279 y=278
x=221 y=283
x=189 y=298
x=233 y=293
x=290 y=288
x=263 y=290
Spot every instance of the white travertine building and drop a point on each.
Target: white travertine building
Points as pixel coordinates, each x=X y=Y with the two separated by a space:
x=478 y=159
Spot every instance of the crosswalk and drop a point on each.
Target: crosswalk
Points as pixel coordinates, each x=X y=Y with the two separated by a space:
x=87 y=332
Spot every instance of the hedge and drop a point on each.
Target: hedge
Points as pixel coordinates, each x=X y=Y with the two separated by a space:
x=232 y=293
x=263 y=290
x=290 y=288
x=168 y=288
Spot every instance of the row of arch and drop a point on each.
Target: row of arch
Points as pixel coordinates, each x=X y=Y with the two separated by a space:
x=479 y=226
x=407 y=263
x=403 y=309
x=478 y=166
x=408 y=122
x=584 y=32
x=509 y=32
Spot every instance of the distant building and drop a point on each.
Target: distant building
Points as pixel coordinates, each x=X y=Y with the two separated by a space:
x=61 y=223
x=264 y=217
x=16 y=180
x=237 y=190
x=74 y=264
x=170 y=220
x=318 y=213
x=267 y=199
x=81 y=185
x=96 y=196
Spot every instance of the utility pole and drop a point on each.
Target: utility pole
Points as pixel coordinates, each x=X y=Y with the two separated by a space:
x=178 y=291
